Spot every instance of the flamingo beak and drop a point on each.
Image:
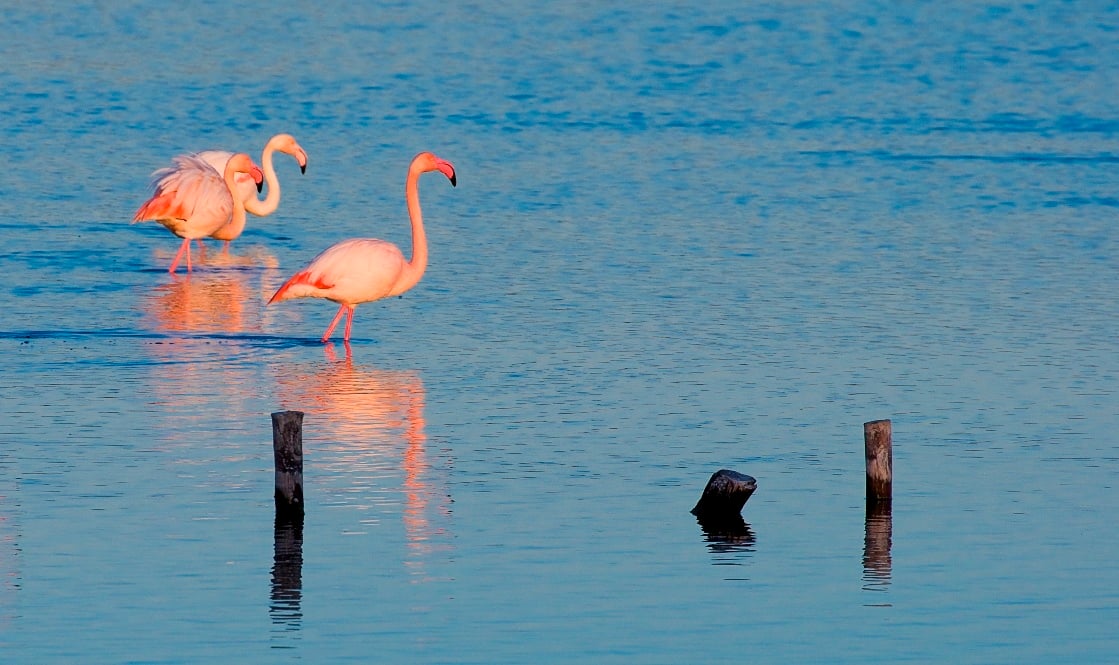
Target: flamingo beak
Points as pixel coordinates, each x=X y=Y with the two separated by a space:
x=258 y=178
x=302 y=162
x=448 y=170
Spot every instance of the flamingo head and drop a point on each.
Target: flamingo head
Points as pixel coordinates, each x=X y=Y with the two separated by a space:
x=287 y=144
x=242 y=163
x=425 y=161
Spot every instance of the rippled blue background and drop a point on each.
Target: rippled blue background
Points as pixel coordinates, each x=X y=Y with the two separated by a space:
x=684 y=238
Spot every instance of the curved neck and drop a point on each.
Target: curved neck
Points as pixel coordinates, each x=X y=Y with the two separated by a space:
x=236 y=223
x=414 y=269
x=262 y=208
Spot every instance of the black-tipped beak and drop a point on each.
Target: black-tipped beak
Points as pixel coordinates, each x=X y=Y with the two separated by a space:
x=302 y=168
x=259 y=186
x=454 y=180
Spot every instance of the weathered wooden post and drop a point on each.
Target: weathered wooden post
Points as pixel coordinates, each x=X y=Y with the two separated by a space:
x=287 y=448
x=877 y=438
x=725 y=494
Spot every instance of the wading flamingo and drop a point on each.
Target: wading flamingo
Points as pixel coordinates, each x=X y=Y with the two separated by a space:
x=362 y=270
x=192 y=200
x=284 y=143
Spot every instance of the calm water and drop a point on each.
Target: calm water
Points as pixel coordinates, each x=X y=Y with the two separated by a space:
x=684 y=238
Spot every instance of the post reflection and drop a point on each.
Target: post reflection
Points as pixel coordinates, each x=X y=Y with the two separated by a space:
x=369 y=425
x=877 y=562
x=728 y=537
x=287 y=573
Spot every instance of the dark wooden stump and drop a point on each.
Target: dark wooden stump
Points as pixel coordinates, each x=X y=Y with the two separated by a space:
x=878 y=440
x=287 y=447
x=725 y=494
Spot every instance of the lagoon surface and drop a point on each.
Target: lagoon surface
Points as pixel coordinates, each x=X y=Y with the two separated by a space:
x=685 y=237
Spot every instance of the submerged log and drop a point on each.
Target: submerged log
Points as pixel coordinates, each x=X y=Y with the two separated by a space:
x=725 y=494
x=287 y=448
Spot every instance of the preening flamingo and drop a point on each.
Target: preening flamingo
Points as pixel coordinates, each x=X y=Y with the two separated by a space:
x=192 y=200
x=284 y=143
x=361 y=270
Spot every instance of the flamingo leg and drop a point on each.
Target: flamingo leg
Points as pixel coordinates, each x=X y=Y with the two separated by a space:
x=185 y=247
x=334 y=323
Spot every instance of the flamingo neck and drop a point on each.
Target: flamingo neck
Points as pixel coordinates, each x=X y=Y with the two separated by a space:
x=262 y=208
x=236 y=223
x=414 y=269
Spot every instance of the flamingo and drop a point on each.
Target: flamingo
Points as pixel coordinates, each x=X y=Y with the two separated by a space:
x=285 y=143
x=192 y=200
x=361 y=270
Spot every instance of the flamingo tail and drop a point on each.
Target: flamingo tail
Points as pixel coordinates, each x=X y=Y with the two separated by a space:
x=299 y=279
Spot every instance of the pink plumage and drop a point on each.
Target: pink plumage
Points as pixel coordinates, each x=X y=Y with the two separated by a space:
x=247 y=189
x=362 y=270
x=192 y=200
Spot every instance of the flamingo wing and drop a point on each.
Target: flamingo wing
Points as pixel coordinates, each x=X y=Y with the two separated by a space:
x=189 y=191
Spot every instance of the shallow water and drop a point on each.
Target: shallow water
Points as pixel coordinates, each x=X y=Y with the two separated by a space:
x=682 y=239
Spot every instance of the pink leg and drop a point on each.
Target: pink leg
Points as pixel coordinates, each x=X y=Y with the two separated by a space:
x=185 y=247
x=349 y=324
x=333 y=324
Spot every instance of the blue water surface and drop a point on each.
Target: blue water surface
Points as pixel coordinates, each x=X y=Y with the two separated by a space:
x=685 y=237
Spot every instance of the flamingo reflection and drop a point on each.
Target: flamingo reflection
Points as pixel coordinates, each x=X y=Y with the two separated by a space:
x=214 y=301
x=197 y=361
x=370 y=424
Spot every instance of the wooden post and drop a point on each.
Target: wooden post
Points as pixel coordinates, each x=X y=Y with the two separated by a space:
x=878 y=439
x=725 y=494
x=287 y=447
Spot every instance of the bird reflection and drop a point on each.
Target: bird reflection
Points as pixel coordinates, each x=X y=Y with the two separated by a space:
x=877 y=562
x=370 y=423
x=190 y=376
x=727 y=534
x=222 y=300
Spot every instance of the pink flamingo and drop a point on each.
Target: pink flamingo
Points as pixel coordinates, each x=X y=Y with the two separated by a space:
x=284 y=143
x=192 y=200
x=362 y=270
